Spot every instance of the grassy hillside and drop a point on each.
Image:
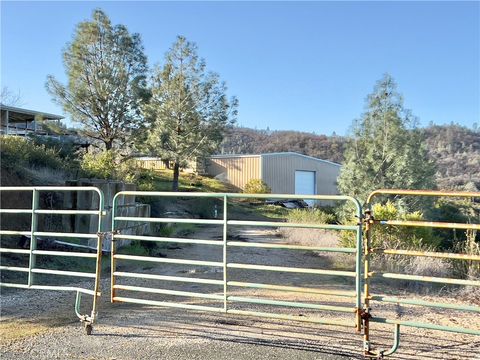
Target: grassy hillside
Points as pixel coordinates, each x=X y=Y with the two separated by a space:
x=161 y=180
x=48 y=162
x=23 y=162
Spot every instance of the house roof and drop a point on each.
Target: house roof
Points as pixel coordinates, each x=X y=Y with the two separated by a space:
x=272 y=154
x=19 y=115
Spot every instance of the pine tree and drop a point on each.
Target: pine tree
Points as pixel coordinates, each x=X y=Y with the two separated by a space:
x=106 y=69
x=189 y=111
x=386 y=150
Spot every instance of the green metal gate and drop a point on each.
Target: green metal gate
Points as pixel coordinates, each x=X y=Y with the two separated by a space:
x=28 y=265
x=360 y=314
x=225 y=245
x=371 y=222
x=363 y=316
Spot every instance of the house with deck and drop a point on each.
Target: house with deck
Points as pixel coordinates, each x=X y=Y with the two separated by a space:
x=23 y=122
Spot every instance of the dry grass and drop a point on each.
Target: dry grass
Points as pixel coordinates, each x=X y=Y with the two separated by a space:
x=310 y=237
x=422 y=266
x=320 y=238
x=470 y=268
x=16 y=330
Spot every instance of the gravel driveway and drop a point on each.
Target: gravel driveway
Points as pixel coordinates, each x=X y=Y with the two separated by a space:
x=42 y=325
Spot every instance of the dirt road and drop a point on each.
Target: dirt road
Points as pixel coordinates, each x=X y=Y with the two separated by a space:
x=42 y=325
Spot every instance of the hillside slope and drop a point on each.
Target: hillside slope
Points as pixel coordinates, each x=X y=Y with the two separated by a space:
x=456 y=149
x=250 y=141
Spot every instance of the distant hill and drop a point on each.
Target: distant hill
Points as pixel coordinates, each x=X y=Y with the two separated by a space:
x=250 y=141
x=456 y=149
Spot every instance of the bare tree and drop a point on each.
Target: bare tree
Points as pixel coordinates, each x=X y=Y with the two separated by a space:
x=10 y=98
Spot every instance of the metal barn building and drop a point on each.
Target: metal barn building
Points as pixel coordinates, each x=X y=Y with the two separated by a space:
x=284 y=173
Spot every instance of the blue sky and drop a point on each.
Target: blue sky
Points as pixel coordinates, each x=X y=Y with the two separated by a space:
x=304 y=66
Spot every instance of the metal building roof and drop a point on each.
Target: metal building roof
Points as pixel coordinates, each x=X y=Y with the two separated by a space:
x=20 y=115
x=226 y=156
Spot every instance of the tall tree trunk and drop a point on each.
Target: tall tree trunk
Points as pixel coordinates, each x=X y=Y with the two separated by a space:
x=108 y=144
x=176 y=173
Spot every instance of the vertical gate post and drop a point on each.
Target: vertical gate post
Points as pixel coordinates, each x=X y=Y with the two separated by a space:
x=100 y=238
x=358 y=270
x=366 y=302
x=98 y=267
x=225 y=235
x=113 y=248
x=33 y=238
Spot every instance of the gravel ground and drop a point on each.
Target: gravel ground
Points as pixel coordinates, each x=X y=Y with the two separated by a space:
x=42 y=324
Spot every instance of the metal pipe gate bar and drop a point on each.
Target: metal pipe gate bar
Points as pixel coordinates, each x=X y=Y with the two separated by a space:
x=363 y=313
x=370 y=223
x=225 y=243
x=33 y=252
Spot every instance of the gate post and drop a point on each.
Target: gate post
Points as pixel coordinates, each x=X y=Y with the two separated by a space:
x=358 y=269
x=97 y=274
x=366 y=310
x=33 y=238
x=225 y=236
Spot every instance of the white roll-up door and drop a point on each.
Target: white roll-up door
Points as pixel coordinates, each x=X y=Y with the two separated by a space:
x=305 y=184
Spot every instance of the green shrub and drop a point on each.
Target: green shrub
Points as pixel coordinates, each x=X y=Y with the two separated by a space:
x=257 y=186
x=206 y=208
x=310 y=216
x=101 y=165
x=400 y=236
x=146 y=180
x=454 y=211
x=17 y=151
x=110 y=165
x=396 y=237
x=128 y=171
x=65 y=149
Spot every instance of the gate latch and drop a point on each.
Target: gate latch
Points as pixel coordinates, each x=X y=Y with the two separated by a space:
x=365 y=314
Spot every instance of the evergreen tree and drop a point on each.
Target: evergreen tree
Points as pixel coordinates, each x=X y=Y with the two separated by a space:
x=106 y=69
x=189 y=112
x=386 y=150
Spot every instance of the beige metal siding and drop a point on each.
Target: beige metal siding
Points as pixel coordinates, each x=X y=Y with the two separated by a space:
x=238 y=171
x=278 y=171
x=192 y=166
x=151 y=164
